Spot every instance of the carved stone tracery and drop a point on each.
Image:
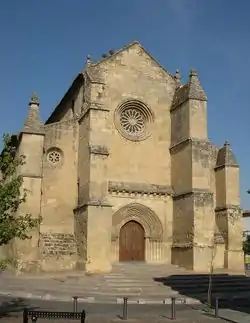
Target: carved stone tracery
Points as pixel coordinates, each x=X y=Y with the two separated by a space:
x=133 y=119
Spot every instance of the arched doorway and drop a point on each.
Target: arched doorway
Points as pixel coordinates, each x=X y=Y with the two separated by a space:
x=132 y=242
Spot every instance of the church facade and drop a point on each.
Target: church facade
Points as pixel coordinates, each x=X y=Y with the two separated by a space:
x=123 y=170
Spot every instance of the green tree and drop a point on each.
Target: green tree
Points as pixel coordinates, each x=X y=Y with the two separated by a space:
x=246 y=245
x=12 y=195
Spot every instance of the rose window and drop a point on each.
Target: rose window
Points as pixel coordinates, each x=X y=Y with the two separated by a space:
x=54 y=157
x=133 y=119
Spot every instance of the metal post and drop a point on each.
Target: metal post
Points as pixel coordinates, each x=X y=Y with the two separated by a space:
x=173 y=308
x=216 y=311
x=125 y=308
x=83 y=315
x=75 y=299
x=25 y=316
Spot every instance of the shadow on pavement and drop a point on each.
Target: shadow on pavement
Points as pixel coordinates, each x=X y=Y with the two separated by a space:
x=233 y=291
x=13 y=307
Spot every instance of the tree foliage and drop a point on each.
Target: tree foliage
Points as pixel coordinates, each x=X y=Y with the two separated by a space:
x=12 y=195
x=246 y=245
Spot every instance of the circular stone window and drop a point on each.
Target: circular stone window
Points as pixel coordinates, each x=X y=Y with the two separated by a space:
x=54 y=157
x=133 y=119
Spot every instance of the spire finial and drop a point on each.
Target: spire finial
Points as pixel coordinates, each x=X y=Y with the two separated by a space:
x=178 y=76
x=88 y=60
x=227 y=144
x=34 y=99
x=33 y=123
x=193 y=72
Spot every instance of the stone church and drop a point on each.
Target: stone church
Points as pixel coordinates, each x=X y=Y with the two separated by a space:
x=123 y=170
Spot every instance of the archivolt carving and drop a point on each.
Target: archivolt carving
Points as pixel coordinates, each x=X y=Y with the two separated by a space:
x=143 y=215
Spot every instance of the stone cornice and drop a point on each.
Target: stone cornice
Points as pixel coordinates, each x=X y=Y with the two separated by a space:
x=246 y=214
x=195 y=192
x=30 y=175
x=92 y=202
x=190 y=244
x=185 y=141
x=139 y=188
x=217 y=168
x=98 y=150
x=228 y=207
x=91 y=106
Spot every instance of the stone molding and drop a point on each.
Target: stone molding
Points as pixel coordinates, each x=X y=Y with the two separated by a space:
x=91 y=106
x=92 y=76
x=228 y=207
x=246 y=214
x=30 y=175
x=92 y=202
x=217 y=168
x=141 y=214
x=139 y=188
x=196 y=192
x=194 y=141
x=33 y=132
x=190 y=245
x=98 y=150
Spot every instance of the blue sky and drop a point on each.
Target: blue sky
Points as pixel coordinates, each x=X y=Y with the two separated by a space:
x=44 y=45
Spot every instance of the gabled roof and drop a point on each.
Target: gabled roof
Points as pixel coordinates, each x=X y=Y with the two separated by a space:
x=126 y=47
x=90 y=72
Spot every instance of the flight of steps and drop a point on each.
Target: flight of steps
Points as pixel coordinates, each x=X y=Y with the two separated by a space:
x=140 y=281
x=137 y=281
x=196 y=285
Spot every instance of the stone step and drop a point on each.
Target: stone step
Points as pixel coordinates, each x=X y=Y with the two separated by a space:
x=204 y=290
x=129 y=294
x=183 y=278
x=205 y=284
x=128 y=280
x=135 y=285
x=107 y=288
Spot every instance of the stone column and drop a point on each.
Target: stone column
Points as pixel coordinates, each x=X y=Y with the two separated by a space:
x=31 y=145
x=228 y=212
x=94 y=213
x=193 y=207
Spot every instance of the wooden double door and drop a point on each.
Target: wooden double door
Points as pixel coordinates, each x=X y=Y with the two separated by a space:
x=132 y=242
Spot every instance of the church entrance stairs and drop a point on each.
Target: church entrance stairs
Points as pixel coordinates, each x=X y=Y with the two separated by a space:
x=140 y=282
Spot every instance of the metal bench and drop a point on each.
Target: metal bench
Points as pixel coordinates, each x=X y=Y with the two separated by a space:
x=49 y=315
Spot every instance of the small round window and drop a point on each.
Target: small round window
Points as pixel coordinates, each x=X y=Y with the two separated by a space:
x=54 y=157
